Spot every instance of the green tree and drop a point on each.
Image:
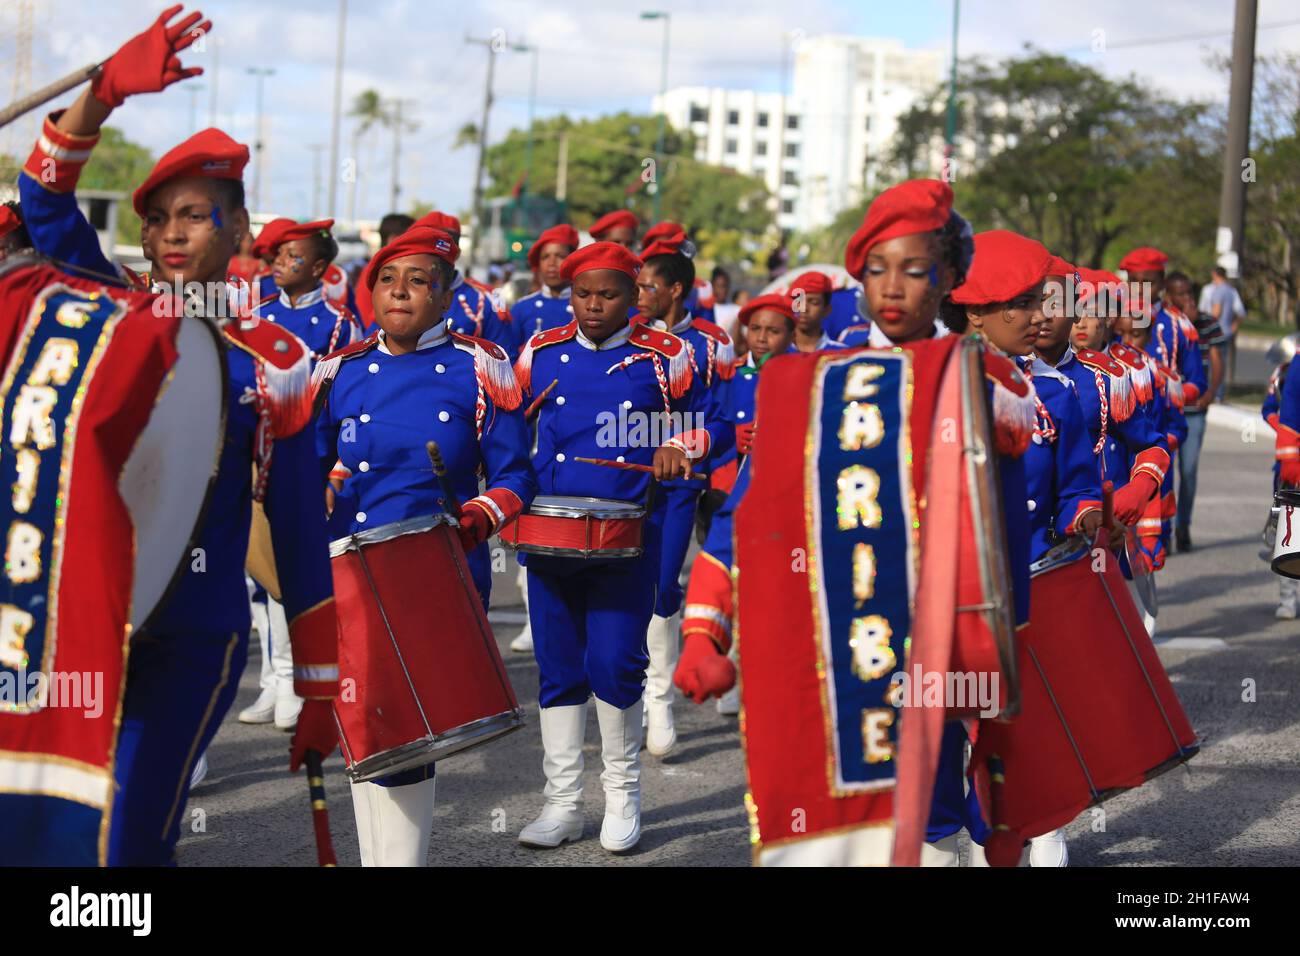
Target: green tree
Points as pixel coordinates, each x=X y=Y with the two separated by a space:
x=118 y=164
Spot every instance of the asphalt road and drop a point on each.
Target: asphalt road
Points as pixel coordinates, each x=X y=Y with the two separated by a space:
x=1236 y=803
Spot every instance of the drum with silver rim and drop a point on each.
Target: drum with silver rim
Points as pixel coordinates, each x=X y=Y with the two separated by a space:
x=575 y=527
x=1286 y=544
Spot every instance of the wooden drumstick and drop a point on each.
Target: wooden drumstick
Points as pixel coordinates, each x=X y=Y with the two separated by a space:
x=1108 y=505
x=451 y=502
x=320 y=816
x=630 y=466
x=536 y=406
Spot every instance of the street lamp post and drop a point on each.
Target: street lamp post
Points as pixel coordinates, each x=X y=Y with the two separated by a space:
x=259 y=74
x=532 y=107
x=663 y=102
x=951 y=132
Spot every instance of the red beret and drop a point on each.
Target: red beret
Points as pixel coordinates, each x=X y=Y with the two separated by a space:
x=772 y=300
x=619 y=219
x=918 y=205
x=563 y=234
x=600 y=255
x=1059 y=267
x=1089 y=279
x=1005 y=265
x=1144 y=259
x=662 y=230
x=670 y=246
x=301 y=230
x=439 y=220
x=269 y=237
x=209 y=153
x=416 y=241
x=817 y=283
x=9 y=221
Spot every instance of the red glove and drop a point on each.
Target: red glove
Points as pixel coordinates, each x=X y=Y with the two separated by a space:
x=1173 y=443
x=316 y=731
x=475 y=527
x=744 y=438
x=1133 y=497
x=1289 y=474
x=702 y=671
x=148 y=63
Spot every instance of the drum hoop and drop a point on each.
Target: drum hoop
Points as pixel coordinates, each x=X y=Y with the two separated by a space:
x=446 y=744
x=582 y=555
x=600 y=508
x=1073 y=548
x=387 y=532
x=1287 y=496
x=201 y=519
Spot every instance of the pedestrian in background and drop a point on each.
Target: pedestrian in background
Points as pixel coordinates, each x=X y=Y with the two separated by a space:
x=1221 y=301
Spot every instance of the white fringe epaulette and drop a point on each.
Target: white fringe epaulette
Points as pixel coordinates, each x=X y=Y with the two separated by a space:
x=283 y=373
x=1137 y=367
x=671 y=348
x=1123 y=399
x=493 y=370
x=524 y=364
x=1014 y=408
x=328 y=367
x=724 y=350
x=1173 y=388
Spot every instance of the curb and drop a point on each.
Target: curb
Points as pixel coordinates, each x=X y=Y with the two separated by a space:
x=1233 y=416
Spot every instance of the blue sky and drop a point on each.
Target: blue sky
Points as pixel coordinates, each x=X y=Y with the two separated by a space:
x=595 y=57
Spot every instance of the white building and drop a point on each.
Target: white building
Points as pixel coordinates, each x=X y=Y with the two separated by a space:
x=820 y=149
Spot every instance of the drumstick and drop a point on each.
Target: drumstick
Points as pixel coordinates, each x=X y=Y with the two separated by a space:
x=630 y=466
x=536 y=404
x=451 y=503
x=47 y=93
x=1108 y=505
x=320 y=816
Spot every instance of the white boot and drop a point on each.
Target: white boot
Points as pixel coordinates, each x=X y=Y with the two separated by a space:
x=1049 y=850
x=523 y=642
x=941 y=853
x=287 y=703
x=394 y=823
x=661 y=641
x=620 y=746
x=200 y=771
x=262 y=710
x=563 y=731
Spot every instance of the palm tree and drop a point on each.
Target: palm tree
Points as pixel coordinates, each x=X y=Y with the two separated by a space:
x=369 y=110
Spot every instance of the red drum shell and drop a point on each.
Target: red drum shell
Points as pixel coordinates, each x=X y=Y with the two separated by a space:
x=578 y=528
x=413 y=637
x=1098 y=713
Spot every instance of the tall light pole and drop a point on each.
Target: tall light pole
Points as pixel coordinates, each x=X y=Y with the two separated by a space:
x=338 y=109
x=663 y=103
x=480 y=229
x=399 y=126
x=951 y=134
x=194 y=90
x=316 y=149
x=1232 y=196
x=532 y=108
x=259 y=74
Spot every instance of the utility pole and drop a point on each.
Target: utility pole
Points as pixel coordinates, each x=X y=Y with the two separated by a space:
x=480 y=228
x=562 y=168
x=1232 y=198
x=338 y=108
x=316 y=150
x=259 y=74
x=398 y=127
x=532 y=108
x=194 y=90
x=663 y=104
x=215 y=78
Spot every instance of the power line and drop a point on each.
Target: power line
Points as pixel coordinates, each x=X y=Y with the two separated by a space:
x=1183 y=38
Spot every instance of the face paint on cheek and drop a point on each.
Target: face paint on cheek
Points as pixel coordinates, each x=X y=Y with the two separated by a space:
x=216 y=218
x=934 y=275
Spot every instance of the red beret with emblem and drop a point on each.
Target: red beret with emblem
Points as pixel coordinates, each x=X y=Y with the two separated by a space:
x=270 y=235
x=814 y=282
x=773 y=300
x=210 y=153
x=918 y=205
x=1005 y=265
x=563 y=234
x=601 y=255
x=619 y=219
x=416 y=241
x=439 y=220
x=662 y=230
x=1144 y=259
x=301 y=230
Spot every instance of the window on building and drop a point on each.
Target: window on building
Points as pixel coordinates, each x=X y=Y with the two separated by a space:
x=792 y=150
x=868 y=124
x=732 y=146
x=760 y=148
x=787 y=206
x=733 y=117
x=699 y=114
x=792 y=122
x=760 y=172
x=790 y=178
x=762 y=120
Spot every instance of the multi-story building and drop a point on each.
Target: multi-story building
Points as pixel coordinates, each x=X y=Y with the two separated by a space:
x=823 y=147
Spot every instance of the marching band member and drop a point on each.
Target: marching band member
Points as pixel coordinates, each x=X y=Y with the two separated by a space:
x=384 y=398
x=699 y=299
x=1174 y=337
x=1286 y=449
x=589 y=616
x=619 y=226
x=811 y=296
x=665 y=281
x=302 y=253
x=182 y=676
x=548 y=307
x=472 y=310
x=263 y=249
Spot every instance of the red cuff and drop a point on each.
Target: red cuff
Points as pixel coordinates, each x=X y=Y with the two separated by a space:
x=57 y=158
x=1153 y=462
x=695 y=443
x=708 y=607
x=314 y=637
x=501 y=505
x=1083 y=508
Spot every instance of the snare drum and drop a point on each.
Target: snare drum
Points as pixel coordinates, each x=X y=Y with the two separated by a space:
x=415 y=651
x=578 y=528
x=1286 y=546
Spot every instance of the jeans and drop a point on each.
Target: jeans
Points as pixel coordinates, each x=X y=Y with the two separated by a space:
x=1189 y=454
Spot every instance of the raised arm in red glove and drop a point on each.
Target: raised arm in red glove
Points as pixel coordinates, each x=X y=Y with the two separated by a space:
x=703 y=671
x=316 y=731
x=1133 y=497
x=148 y=63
